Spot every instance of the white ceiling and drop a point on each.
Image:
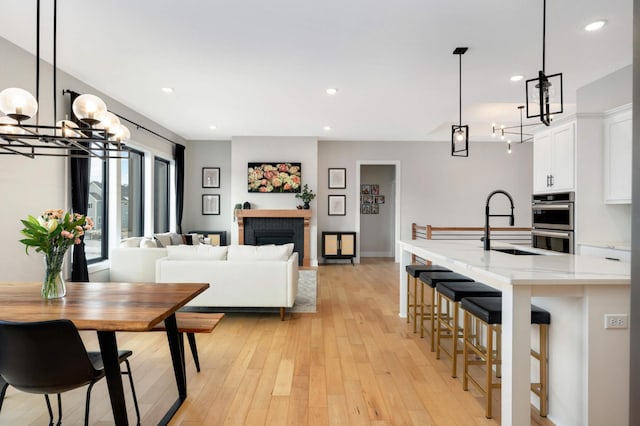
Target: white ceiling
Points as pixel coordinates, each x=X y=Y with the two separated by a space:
x=261 y=68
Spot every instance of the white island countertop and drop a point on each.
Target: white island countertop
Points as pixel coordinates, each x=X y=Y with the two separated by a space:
x=548 y=268
x=588 y=363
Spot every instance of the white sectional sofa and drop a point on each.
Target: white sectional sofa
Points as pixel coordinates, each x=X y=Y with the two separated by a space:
x=239 y=275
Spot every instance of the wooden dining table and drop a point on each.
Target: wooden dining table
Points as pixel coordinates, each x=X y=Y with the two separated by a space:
x=108 y=308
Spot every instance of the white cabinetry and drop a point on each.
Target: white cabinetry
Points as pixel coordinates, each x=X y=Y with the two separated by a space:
x=617 y=156
x=605 y=251
x=553 y=159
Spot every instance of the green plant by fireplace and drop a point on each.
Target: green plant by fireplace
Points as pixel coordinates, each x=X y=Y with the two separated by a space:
x=306 y=195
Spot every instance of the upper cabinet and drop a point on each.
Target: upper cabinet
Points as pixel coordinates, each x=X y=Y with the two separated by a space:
x=553 y=159
x=618 y=144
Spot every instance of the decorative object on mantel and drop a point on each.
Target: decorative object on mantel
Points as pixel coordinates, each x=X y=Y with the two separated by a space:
x=460 y=133
x=101 y=137
x=505 y=130
x=52 y=234
x=545 y=90
x=306 y=195
x=275 y=177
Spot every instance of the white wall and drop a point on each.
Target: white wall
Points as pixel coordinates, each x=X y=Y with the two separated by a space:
x=199 y=154
x=29 y=186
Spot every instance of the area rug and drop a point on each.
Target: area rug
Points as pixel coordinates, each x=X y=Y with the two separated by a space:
x=307 y=292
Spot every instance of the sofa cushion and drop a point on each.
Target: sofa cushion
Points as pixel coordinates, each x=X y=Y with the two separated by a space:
x=148 y=243
x=240 y=253
x=131 y=242
x=176 y=239
x=163 y=239
x=199 y=252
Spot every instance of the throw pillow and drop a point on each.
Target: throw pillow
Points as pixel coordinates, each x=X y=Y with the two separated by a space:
x=164 y=239
x=148 y=243
x=131 y=242
x=272 y=252
x=176 y=239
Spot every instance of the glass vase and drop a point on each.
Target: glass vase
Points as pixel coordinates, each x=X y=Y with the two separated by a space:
x=53 y=286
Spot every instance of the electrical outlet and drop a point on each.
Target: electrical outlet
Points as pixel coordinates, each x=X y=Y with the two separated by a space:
x=615 y=321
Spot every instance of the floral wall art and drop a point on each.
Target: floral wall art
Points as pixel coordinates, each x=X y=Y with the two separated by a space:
x=274 y=177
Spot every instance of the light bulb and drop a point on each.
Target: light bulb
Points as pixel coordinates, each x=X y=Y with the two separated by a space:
x=509 y=147
x=121 y=133
x=18 y=104
x=459 y=135
x=90 y=109
x=9 y=126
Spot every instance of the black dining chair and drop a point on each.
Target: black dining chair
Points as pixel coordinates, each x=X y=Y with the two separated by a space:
x=49 y=357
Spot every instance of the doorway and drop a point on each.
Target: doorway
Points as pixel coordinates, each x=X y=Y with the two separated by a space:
x=377 y=221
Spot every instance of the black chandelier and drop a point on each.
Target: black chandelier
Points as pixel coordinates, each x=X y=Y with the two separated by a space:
x=459 y=132
x=95 y=132
x=545 y=91
x=508 y=130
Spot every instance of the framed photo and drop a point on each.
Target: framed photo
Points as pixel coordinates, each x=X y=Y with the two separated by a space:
x=375 y=209
x=365 y=208
x=380 y=199
x=375 y=189
x=337 y=205
x=366 y=199
x=365 y=189
x=337 y=178
x=211 y=204
x=211 y=177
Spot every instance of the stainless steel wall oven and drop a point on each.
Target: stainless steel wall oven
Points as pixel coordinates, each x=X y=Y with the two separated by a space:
x=553 y=221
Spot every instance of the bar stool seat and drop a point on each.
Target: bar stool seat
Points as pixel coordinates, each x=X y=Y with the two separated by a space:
x=488 y=311
x=413 y=295
x=431 y=279
x=449 y=296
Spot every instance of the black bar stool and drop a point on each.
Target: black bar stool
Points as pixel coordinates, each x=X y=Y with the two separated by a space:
x=413 y=298
x=431 y=279
x=448 y=327
x=488 y=312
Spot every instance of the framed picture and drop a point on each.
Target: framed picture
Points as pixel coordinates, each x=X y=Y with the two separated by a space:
x=375 y=209
x=274 y=177
x=366 y=199
x=380 y=199
x=365 y=208
x=337 y=205
x=375 y=189
x=211 y=204
x=337 y=178
x=365 y=189
x=211 y=177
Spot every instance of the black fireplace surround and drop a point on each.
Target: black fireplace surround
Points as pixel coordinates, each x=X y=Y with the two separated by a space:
x=275 y=230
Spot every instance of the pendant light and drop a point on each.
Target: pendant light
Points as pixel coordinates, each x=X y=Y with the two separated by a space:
x=100 y=134
x=459 y=132
x=544 y=94
x=507 y=130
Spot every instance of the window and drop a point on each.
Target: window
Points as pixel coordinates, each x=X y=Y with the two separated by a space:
x=96 y=240
x=132 y=195
x=160 y=195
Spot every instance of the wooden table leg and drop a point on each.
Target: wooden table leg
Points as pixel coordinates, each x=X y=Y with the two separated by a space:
x=109 y=352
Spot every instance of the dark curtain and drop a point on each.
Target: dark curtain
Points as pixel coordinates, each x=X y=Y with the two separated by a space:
x=179 y=186
x=79 y=204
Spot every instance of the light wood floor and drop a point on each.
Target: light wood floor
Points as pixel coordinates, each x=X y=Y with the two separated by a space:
x=354 y=362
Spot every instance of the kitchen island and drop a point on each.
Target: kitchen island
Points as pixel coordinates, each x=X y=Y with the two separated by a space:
x=588 y=364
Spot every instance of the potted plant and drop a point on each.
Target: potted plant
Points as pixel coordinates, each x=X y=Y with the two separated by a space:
x=306 y=196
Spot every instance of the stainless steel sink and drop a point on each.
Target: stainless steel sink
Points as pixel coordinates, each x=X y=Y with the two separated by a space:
x=516 y=252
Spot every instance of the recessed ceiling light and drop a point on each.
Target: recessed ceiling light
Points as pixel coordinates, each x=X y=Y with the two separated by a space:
x=516 y=77
x=212 y=127
x=326 y=128
x=332 y=91
x=167 y=89
x=596 y=25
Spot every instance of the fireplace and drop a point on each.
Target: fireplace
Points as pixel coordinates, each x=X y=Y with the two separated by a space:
x=259 y=227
